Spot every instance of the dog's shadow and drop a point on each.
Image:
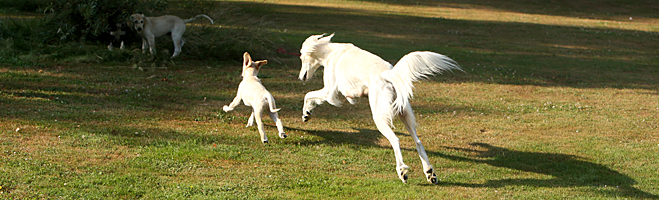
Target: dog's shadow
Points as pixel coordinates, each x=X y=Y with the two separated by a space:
x=362 y=137
x=565 y=170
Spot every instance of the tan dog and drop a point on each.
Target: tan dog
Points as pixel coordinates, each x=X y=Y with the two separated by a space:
x=151 y=27
x=253 y=94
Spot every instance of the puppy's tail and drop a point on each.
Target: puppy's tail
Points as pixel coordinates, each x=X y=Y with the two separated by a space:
x=271 y=103
x=202 y=15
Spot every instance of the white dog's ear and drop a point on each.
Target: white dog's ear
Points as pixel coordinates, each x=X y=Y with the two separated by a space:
x=260 y=63
x=326 y=38
x=247 y=60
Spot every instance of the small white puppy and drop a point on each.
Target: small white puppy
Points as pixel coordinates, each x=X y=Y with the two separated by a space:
x=253 y=94
x=151 y=27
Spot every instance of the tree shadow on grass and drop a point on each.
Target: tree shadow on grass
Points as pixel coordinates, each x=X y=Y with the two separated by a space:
x=608 y=9
x=567 y=170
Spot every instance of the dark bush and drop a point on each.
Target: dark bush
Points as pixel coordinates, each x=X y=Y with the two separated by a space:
x=233 y=34
x=90 y=19
x=23 y=5
x=76 y=27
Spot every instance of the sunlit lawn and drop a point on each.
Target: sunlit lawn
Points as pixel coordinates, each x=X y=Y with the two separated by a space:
x=560 y=101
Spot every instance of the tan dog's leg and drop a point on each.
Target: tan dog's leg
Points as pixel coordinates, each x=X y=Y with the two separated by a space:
x=233 y=103
x=151 y=39
x=145 y=45
x=178 y=43
x=258 y=110
x=177 y=38
x=250 y=121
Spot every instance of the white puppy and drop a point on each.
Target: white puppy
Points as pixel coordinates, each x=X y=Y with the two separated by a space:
x=151 y=27
x=253 y=94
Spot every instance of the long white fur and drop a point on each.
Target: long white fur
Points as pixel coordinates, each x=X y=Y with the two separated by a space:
x=413 y=67
x=355 y=73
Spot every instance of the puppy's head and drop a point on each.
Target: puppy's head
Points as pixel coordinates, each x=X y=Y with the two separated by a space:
x=251 y=68
x=137 y=20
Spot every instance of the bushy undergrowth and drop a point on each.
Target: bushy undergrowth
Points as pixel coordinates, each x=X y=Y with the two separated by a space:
x=70 y=30
x=233 y=34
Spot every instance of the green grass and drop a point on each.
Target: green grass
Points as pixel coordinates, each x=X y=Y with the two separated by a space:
x=563 y=106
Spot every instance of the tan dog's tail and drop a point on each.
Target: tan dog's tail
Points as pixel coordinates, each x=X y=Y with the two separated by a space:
x=271 y=103
x=202 y=15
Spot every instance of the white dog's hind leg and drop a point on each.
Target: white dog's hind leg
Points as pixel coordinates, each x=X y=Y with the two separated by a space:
x=410 y=124
x=178 y=43
x=177 y=38
x=280 y=127
x=383 y=127
x=258 y=110
x=379 y=104
x=250 y=121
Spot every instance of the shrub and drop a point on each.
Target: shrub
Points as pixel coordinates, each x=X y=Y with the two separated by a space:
x=89 y=19
x=233 y=34
x=23 y=5
x=73 y=25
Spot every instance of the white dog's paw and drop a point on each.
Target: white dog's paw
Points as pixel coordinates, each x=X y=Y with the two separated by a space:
x=306 y=115
x=402 y=173
x=283 y=135
x=226 y=109
x=430 y=175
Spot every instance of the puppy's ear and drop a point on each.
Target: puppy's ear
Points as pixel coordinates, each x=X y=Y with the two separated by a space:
x=247 y=60
x=260 y=63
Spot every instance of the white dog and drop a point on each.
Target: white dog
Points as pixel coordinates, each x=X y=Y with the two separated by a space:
x=151 y=27
x=355 y=73
x=253 y=94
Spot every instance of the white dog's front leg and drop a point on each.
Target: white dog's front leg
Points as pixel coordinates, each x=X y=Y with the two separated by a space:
x=311 y=100
x=145 y=45
x=233 y=104
x=151 y=40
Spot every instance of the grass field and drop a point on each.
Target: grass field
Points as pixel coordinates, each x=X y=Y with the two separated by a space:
x=560 y=101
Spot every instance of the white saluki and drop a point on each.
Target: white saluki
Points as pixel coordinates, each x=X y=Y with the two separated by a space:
x=355 y=73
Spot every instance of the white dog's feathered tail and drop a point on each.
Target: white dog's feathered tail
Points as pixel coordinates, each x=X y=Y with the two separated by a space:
x=413 y=67
x=202 y=15
x=271 y=103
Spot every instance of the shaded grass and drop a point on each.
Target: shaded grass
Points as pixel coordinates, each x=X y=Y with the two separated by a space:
x=545 y=111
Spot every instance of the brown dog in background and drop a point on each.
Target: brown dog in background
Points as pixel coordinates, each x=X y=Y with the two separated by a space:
x=151 y=27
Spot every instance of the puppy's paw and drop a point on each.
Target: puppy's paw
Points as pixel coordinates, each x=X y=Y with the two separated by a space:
x=226 y=109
